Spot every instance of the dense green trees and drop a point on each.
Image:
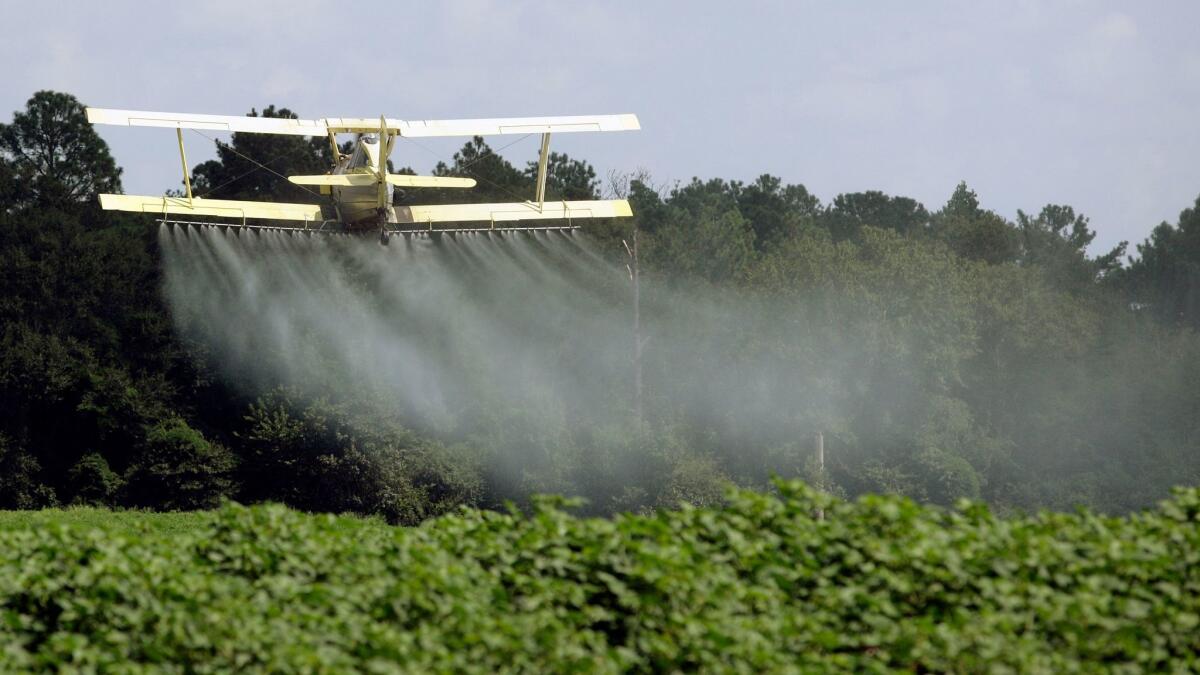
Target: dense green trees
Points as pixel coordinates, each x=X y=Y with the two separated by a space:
x=238 y=171
x=849 y=213
x=497 y=180
x=951 y=354
x=1165 y=279
x=319 y=456
x=51 y=156
x=87 y=358
x=943 y=354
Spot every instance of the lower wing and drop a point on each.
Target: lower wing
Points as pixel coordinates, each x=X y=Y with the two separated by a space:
x=221 y=208
x=504 y=212
x=407 y=215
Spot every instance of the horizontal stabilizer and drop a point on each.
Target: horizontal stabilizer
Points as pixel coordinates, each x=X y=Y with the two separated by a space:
x=407 y=128
x=403 y=180
x=455 y=213
x=366 y=179
x=337 y=180
x=223 y=208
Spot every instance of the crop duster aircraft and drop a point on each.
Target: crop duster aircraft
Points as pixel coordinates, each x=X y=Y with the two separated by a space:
x=359 y=186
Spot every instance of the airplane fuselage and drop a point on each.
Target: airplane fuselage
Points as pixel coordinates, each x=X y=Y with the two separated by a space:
x=358 y=206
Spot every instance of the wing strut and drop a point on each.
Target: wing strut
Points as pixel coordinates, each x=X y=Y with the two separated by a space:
x=541 y=177
x=337 y=152
x=187 y=180
x=386 y=140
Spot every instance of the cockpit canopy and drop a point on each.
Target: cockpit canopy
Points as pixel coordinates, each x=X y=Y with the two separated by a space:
x=366 y=154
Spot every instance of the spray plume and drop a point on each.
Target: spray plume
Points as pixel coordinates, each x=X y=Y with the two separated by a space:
x=520 y=342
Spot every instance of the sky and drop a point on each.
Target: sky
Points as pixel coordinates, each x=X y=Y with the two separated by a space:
x=1088 y=103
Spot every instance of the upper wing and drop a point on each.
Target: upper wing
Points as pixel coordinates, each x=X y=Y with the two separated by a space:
x=517 y=125
x=419 y=128
x=257 y=125
x=223 y=208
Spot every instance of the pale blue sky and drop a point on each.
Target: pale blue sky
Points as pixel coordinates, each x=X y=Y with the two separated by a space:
x=1093 y=104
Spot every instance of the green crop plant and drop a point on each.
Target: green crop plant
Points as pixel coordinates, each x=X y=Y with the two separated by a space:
x=757 y=584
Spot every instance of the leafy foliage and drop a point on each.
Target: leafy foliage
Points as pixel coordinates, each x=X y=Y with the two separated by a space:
x=849 y=213
x=237 y=172
x=973 y=232
x=566 y=178
x=497 y=179
x=758 y=585
x=92 y=481
x=52 y=156
x=318 y=457
x=179 y=469
x=1165 y=279
x=19 y=488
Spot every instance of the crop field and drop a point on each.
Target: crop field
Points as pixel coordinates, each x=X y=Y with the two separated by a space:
x=757 y=584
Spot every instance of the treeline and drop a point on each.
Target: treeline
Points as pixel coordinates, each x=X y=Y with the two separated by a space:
x=952 y=353
x=945 y=353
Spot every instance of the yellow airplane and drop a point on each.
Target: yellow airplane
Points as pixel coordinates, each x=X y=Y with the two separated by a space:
x=359 y=185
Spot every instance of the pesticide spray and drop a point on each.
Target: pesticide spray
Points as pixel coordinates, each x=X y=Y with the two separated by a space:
x=521 y=345
x=522 y=342
x=426 y=322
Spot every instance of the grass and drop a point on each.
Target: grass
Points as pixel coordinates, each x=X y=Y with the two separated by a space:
x=130 y=521
x=133 y=521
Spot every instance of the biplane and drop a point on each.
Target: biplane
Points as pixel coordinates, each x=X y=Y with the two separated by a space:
x=358 y=192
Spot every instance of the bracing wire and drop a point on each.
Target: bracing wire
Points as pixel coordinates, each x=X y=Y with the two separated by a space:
x=466 y=167
x=252 y=161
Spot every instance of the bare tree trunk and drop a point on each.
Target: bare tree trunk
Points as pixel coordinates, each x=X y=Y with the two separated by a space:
x=638 y=343
x=819 y=443
x=820 y=447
